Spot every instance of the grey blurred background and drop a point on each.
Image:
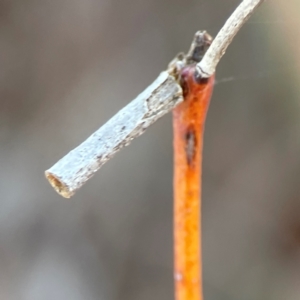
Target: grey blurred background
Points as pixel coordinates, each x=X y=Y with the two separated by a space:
x=66 y=68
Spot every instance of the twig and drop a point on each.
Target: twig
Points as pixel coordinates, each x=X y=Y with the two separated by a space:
x=207 y=66
x=165 y=93
x=188 y=131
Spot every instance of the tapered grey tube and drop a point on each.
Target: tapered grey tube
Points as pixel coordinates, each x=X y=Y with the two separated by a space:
x=74 y=169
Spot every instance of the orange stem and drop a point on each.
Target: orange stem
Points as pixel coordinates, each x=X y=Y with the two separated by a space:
x=188 y=124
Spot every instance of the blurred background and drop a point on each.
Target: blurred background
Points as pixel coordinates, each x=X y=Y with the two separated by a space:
x=66 y=68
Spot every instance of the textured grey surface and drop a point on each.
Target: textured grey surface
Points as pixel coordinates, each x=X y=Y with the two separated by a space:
x=207 y=66
x=79 y=165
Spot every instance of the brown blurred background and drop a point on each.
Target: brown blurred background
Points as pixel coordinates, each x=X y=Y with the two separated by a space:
x=67 y=67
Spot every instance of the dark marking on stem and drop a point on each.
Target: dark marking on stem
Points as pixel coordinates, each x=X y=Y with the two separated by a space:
x=199 y=78
x=184 y=85
x=190 y=146
x=184 y=74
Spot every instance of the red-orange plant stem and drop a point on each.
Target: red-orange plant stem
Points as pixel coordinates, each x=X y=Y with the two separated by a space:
x=188 y=124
